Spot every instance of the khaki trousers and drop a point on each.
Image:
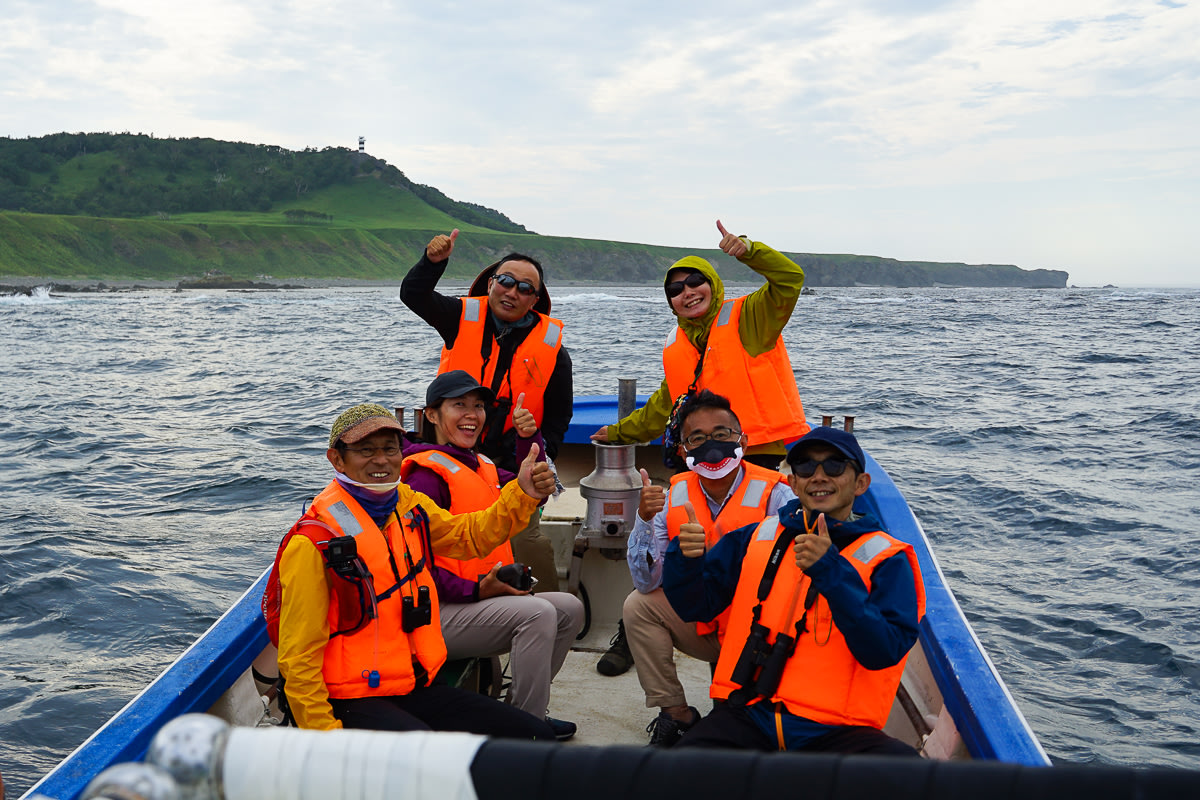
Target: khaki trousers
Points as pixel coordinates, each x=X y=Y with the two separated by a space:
x=536 y=630
x=654 y=631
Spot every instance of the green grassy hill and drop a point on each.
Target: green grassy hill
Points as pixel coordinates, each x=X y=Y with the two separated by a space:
x=132 y=207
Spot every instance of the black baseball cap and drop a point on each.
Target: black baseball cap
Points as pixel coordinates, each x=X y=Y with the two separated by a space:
x=455 y=383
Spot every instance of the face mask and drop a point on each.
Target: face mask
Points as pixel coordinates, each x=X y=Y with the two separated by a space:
x=378 y=488
x=715 y=459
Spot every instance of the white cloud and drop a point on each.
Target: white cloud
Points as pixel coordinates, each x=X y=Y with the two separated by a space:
x=634 y=121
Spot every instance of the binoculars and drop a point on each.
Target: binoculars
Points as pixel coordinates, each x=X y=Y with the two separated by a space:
x=772 y=658
x=418 y=613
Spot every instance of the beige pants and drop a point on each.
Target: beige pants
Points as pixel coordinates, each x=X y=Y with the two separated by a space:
x=537 y=631
x=534 y=549
x=654 y=631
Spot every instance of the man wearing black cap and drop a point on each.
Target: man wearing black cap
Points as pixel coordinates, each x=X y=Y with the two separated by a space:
x=504 y=320
x=816 y=639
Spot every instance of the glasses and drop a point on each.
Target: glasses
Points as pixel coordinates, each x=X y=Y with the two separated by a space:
x=508 y=281
x=831 y=466
x=718 y=435
x=370 y=452
x=693 y=281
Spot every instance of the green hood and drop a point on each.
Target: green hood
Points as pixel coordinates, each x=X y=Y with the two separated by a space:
x=696 y=330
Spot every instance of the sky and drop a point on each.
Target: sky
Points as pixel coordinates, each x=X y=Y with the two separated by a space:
x=1057 y=134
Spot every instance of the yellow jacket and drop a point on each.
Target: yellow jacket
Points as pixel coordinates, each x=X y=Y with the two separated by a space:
x=305 y=589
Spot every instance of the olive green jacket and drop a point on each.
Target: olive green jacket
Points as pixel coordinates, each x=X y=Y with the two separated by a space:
x=764 y=315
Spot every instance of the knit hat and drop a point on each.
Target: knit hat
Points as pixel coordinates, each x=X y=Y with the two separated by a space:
x=361 y=421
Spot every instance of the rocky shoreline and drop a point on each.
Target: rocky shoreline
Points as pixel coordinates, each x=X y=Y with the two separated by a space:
x=10 y=285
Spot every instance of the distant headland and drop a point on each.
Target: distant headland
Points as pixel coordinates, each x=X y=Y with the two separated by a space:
x=81 y=210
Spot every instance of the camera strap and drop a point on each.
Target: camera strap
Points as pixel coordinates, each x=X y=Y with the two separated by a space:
x=420 y=523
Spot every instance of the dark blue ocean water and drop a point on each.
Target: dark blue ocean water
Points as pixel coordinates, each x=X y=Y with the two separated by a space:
x=157 y=444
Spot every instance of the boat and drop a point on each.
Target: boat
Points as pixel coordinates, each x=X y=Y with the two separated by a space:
x=952 y=704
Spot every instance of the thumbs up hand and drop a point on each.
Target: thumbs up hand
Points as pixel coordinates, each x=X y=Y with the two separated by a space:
x=440 y=246
x=536 y=478
x=730 y=244
x=691 y=534
x=523 y=419
x=652 y=499
x=809 y=547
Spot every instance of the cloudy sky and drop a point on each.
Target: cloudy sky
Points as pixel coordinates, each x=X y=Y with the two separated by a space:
x=1059 y=134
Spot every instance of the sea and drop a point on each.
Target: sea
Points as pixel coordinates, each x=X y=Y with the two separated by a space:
x=156 y=444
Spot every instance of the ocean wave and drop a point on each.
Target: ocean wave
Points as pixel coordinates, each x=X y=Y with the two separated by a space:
x=38 y=296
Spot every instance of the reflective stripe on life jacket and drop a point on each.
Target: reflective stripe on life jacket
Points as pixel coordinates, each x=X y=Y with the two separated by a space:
x=469 y=490
x=761 y=389
x=532 y=362
x=822 y=681
x=746 y=506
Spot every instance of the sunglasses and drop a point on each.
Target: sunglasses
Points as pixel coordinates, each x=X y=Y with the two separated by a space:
x=508 y=281
x=831 y=466
x=693 y=281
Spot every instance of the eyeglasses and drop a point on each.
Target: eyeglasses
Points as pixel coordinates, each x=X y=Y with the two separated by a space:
x=370 y=452
x=718 y=435
x=508 y=281
x=693 y=281
x=831 y=466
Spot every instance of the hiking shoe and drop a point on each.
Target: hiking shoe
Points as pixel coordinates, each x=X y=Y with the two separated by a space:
x=617 y=660
x=666 y=731
x=563 y=730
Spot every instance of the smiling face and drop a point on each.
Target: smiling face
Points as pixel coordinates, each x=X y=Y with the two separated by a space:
x=691 y=303
x=459 y=420
x=820 y=493
x=379 y=467
x=510 y=305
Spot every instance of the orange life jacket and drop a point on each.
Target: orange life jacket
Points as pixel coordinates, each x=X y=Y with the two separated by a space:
x=470 y=490
x=821 y=681
x=532 y=363
x=761 y=389
x=746 y=506
x=381 y=644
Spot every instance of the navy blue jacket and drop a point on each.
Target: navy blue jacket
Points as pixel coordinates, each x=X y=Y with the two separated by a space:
x=880 y=626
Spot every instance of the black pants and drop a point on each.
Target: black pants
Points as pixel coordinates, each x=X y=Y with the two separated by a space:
x=729 y=726
x=441 y=708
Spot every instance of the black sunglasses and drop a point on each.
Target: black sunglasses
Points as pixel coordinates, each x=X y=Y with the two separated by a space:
x=831 y=466
x=693 y=281
x=508 y=281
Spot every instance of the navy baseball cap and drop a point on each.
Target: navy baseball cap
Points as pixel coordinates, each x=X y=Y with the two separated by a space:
x=843 y=442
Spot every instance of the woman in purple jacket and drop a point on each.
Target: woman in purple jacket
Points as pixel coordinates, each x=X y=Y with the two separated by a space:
x=487 y=616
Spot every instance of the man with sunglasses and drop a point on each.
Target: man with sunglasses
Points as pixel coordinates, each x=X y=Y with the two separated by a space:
x=731 y=344
x=822 y=607
x=503 y=321
x=724 y=493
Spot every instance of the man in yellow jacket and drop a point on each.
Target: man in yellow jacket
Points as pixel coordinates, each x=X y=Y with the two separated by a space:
x=351 y=601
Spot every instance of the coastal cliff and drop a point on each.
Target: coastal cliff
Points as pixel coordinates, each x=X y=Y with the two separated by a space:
x=127 y=207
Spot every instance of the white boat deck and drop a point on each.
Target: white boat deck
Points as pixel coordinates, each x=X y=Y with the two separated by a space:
x=612 y=710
